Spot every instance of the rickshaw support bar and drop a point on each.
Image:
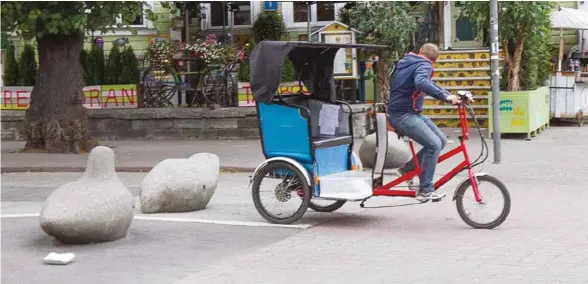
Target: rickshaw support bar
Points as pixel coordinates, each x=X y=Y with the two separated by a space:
x=386 y=190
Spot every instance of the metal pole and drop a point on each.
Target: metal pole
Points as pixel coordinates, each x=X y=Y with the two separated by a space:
x=494 y=71
x=308 y=19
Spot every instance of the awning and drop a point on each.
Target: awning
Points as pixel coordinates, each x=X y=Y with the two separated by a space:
x=567 y=18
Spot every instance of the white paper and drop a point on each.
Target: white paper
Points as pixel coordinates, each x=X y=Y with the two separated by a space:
x=59 y=258
x=329 y=119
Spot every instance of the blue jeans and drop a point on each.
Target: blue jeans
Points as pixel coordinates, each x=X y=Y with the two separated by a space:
x=422 y=130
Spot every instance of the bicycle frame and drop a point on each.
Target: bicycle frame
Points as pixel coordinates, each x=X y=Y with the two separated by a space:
x=387 y=189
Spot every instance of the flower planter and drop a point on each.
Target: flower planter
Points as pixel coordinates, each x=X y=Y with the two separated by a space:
x=95 y=97
x=522 y=112
x=245 y=96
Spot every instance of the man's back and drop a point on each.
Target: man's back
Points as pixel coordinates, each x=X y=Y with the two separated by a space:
x=412 y=79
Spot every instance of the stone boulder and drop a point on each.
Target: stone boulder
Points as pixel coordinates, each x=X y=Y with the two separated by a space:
x=180 y=185
x=397 y=155
x=95 y=208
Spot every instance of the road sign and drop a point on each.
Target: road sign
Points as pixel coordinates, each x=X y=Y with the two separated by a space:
x=270 y=5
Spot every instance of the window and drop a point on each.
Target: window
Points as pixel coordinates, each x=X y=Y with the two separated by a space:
x=216 y=15
x=237 y=13
x=138 y=22
x=241 y=13
x=325 y=11
x=139 y=19
x=321 y=12
x=300 y=12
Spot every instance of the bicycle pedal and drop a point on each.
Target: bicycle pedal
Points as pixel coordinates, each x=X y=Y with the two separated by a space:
x=436 y=200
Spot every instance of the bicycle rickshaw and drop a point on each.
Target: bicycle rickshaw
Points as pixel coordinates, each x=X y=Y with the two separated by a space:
x=307 y=139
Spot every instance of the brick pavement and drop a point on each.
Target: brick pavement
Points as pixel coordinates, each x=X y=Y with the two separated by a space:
x=544 y=240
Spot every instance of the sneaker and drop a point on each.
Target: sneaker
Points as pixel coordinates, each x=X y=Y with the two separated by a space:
x=412 y=184
x=429 y=196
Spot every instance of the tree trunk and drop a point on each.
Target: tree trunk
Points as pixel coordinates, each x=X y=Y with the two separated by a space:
x=514 y=69
x=383 y=81
x=56 y=119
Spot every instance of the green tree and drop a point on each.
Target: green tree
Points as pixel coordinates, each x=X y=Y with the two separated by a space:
x=113 y=66
x=288 y=71
x=388 y=23
x=269 y=26
x=84 y=59
x=56 y=118
x=130 y=67
x=521 y=25
x=10 y=75
x=96 y=66
x=28 y=66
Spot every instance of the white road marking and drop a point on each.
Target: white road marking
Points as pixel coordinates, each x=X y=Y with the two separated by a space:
x=189 y=220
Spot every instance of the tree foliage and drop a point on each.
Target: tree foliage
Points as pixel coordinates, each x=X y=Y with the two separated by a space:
x=130 y=67
x=36 y=19
x=269 y=26
x=114 y=66
x=27 y=65
x=10 y=75
x=388 y=23
x=523 y=29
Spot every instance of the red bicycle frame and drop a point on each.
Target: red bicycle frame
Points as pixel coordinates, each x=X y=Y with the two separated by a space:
x=387 y=189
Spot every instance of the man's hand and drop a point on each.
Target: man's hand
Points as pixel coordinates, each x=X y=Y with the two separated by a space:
x=453 y=99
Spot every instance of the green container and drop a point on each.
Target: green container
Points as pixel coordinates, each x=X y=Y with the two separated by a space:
x=522 y=112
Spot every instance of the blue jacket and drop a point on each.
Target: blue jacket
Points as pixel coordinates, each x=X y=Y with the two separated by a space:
x=412 y=79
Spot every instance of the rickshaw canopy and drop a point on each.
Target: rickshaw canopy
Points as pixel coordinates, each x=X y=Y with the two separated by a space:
x=313 y=63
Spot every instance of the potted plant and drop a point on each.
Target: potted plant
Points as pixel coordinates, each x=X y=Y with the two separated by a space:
x=524 y=35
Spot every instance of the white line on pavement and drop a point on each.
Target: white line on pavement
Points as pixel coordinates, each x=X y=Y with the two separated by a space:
x=188 y=220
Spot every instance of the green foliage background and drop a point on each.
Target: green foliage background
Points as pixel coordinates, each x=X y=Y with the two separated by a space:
x=10 y=73
x=27 y=65
x=525 y=23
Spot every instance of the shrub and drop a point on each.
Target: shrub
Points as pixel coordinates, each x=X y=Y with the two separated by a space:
x=130 y=67
x=269 y=26
x=288 y=71
x=27 y=66
x=84 y=61
x=95 y=66
x=244 y=67
x=10 y=72
x=113 y=69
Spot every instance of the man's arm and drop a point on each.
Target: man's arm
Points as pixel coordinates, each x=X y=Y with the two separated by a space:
x=423 y=83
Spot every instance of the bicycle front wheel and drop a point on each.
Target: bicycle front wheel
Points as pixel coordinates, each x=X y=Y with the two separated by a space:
x=491 y=211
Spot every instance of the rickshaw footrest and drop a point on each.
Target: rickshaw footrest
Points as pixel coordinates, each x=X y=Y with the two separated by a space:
x=348 y=185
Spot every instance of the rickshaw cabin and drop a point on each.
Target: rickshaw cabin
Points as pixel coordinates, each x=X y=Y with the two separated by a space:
x=313 y=129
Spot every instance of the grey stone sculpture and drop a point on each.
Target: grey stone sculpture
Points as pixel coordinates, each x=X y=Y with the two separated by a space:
x=180 y=185
x=397 y=155
x=95 y=208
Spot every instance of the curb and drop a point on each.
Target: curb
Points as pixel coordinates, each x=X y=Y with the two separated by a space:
x=123 y=169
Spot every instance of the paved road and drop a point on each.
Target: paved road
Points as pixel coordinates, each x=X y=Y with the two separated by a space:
x=544 y=240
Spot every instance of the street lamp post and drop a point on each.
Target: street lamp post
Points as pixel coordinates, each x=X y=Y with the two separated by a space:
x=494 y=71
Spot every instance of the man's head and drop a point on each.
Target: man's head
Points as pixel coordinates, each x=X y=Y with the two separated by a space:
x=430 y=50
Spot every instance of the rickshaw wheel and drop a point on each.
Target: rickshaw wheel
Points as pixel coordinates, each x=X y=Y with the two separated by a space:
x=466 y=217
x=282 y=192
x=326 y=208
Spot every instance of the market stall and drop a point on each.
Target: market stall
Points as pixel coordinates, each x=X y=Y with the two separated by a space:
x=569 y=89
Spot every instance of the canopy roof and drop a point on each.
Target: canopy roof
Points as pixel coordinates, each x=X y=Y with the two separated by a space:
x=567 y=18
x=313 y=63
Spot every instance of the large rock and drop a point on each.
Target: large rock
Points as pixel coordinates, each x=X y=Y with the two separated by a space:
x=95 y=208
x=397 y=155
x=180 y=185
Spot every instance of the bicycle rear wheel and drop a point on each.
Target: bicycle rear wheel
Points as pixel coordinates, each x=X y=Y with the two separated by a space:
x=488 y=186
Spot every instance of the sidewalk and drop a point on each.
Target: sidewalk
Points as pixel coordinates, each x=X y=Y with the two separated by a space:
x=136 y=155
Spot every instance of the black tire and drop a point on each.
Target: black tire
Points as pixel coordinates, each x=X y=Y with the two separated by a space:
x=505 y=210
x=326 y=209
x=305 y=189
